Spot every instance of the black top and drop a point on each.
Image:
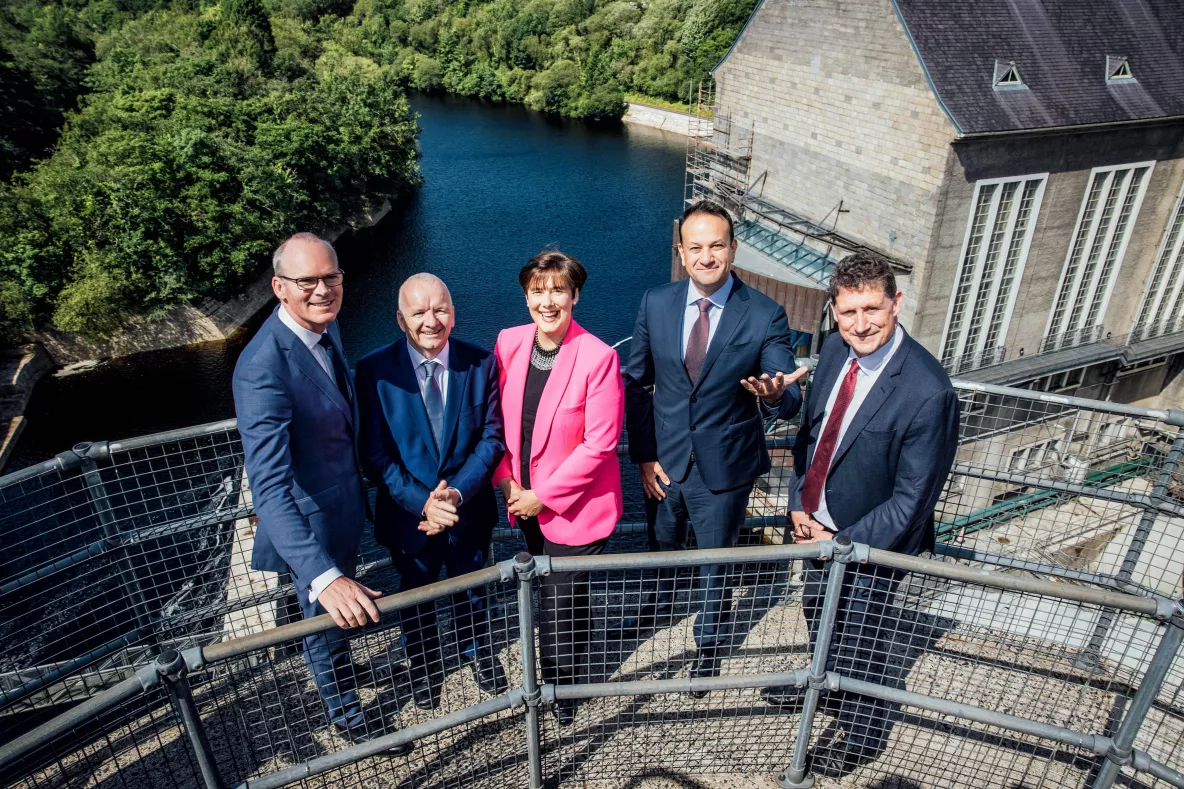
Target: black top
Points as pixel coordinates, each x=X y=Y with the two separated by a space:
x=536 y=380
x=1060 y=49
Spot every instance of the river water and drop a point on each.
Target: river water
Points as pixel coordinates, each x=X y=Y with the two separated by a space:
x=501 y=183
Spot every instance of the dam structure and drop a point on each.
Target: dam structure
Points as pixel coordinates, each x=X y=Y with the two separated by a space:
x=1039 y=646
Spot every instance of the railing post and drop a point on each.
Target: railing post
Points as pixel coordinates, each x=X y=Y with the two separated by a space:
x=1124 y=739
x=171 y=667
x=794 y=776
x=524 y=566
x=1090 y=658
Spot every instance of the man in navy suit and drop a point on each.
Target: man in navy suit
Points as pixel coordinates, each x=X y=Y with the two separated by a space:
x=431 y=437
x=871 y=458
x=296 y=414
x=716 y=352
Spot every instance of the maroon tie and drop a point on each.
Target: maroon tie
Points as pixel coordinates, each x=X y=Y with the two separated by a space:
x=697 y=345
x=825 y=451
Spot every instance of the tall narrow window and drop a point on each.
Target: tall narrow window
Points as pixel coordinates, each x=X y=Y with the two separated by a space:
x=997 y=239
x=1162 y=311
x=1099 y=241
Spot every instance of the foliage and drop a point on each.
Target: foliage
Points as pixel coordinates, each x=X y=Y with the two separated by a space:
x=571 y=57
x=153 y=151
x=191 y=156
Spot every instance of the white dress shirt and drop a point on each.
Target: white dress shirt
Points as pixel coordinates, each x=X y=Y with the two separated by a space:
x=312 y=340
x=440 y=371
x=870 y=367
x=690 y=315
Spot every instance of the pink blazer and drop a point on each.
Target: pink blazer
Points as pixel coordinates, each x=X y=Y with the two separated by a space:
x=573 y=466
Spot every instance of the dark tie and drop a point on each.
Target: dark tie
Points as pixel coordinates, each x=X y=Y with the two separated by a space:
x=825 y=452
x=697 y=344
x=433 y=399
x=340 y=373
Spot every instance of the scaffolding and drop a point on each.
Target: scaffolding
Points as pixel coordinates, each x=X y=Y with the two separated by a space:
x=719 y=153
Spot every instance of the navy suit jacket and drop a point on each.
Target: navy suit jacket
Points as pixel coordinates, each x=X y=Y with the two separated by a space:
x=716 y=418
x=298 y=438
x=399 y=454
x=888 y=472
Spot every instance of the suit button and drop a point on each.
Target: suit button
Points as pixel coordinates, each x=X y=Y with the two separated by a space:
x=694 y=399
x=534 y=464
x=692 y=428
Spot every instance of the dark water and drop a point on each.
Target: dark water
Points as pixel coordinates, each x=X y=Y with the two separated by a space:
x=500 y=184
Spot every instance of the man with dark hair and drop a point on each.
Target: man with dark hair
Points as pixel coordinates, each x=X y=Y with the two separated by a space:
x=876 y=444
x=297 y=415
x=716 y=353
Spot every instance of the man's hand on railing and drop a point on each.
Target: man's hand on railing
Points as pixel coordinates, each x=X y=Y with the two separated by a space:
x=349 y=603
x=806 y=529
x=650 y=474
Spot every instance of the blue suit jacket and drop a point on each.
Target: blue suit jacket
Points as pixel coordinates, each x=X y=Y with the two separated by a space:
x=888 y=472
x=716 y=417
x=399 y=454
x=298 y=438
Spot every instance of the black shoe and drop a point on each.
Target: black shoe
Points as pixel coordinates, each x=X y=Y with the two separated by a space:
x=831 y=762
x=706 y=665
x=358 y=735
x=488 y=672
x=784 y=695
x=638 y=628
x=426 y=687
x=565 y=711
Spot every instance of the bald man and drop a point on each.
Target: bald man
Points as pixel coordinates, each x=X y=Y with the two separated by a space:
x=431 y=437
x=297 y=415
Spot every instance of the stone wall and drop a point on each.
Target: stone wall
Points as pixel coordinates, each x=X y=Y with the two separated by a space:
x=658 y=118
x=1068 y=159
x=840 y=110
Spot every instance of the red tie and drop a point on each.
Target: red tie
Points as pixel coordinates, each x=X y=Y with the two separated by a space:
x=697 y=344
x=820 y=465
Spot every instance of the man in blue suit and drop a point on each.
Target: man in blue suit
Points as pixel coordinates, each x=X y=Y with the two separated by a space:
x=431 y=437
x=871 y=458
x=297 y=415
x=715 y=351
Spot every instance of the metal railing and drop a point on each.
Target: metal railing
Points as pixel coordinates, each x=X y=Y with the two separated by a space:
x=117 y=552
x=943 y=666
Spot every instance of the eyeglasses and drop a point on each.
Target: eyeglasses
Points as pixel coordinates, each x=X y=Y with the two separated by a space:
x=310 y=283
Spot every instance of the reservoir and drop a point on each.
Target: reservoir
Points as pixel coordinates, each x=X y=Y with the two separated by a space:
x=500 y=184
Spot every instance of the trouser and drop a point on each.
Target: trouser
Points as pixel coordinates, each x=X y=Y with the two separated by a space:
x=328 y=659
x=421 y=636
x=717 y=517
x=860 y=646
x=565 y=620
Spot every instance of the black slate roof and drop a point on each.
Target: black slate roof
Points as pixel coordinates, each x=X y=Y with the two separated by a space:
x=1060 y=49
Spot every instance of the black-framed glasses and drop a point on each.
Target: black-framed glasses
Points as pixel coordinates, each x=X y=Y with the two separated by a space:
x=310 y=283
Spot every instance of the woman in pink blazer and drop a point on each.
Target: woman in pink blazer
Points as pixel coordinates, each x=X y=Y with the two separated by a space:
x=563 y=406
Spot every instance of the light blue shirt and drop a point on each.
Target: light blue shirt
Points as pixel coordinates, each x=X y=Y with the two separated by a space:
x=691 y=314
x=440 y=371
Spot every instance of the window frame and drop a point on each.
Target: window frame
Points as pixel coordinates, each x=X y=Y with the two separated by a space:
x=1170 y=293
x=1088 y=242
x=960 y=350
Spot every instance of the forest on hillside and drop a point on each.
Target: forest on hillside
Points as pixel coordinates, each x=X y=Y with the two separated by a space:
x=153 y=151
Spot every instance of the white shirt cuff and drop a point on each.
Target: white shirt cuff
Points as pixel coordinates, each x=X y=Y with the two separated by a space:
x=460 y=497
x=321 y=581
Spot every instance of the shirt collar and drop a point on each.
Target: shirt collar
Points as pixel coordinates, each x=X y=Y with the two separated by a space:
x=418 y=358
x=879 y=357
x=719 y=298
x=309 y=338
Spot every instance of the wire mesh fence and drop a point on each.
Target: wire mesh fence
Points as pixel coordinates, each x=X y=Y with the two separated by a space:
x=114 y=552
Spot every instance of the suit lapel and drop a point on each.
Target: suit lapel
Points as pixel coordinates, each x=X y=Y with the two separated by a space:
x=557 y=382
x=824 y=382
x=458 y=381
x=335 y=339
x=302 y=356
x=875 y=399
x=405 y=370
x=735 y=308
x=514 y=392
x=674 y=328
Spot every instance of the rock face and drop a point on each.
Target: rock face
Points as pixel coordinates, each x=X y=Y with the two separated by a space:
x=20 y=369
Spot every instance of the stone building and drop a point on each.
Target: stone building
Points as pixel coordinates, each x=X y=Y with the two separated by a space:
x=1021 y=162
